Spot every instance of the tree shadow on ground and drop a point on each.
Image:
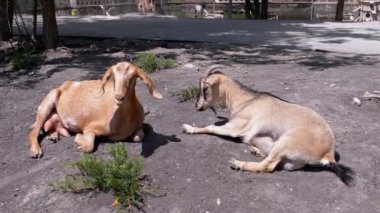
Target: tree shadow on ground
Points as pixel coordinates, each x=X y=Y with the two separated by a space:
x=256 y=55
x=95 y=56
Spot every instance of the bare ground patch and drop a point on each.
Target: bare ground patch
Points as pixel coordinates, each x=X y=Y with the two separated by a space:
x=193 y=170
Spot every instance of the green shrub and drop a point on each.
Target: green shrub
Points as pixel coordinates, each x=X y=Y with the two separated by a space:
x=188 y=93
x=121 y=175
x=25 y=58
x=149 y=62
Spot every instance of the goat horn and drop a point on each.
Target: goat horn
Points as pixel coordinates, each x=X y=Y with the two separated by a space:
x=212 y=68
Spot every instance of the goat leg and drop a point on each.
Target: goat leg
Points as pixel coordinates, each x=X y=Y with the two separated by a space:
x=256 y=151
x=43 y=113
x=86 y=141
x=54 y=127
x=267 y=165
x=225 y=130
x=139 y=135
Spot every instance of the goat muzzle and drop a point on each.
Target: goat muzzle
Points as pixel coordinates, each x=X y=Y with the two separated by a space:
x=119 y=99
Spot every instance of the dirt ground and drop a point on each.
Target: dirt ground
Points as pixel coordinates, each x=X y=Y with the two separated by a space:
x=192 y=171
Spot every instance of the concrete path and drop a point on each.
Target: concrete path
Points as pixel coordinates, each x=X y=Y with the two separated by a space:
x=357 y=38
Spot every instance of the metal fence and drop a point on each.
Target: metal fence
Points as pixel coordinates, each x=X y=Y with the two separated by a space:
x=282 y=9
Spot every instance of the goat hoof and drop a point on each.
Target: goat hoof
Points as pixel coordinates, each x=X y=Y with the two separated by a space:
x=188 y=129
x=54 y=137
x=137 y=139
x=85 y=149
x=255 y=151
x=36 y=153
x=138 y=136
x=236 y=164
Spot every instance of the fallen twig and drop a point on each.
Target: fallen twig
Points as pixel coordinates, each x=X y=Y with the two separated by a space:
x=375 y=94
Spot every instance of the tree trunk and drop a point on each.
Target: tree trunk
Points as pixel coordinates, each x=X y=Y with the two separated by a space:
x=264 y=9
x=50 y=29
x=248 y=9
x=34 y=20
x=230 y=9
x=256 y=11
x=339 y=10
x=6 y=19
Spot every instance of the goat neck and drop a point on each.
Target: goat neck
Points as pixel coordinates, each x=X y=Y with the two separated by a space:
x=234 y=95
x=130 y=96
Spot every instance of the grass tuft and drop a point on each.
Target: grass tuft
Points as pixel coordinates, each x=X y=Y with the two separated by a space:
x=121 y=175
x=188 y=93
x=150 y=62
x=26 y=56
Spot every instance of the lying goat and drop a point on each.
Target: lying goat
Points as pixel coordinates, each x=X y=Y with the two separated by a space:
x=275 y=129
x=107 y=107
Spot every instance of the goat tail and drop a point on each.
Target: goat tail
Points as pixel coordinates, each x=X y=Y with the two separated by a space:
x=345 y=173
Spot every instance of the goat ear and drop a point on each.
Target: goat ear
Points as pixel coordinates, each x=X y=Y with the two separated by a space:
x=211 y=80
x=106 y=77
x=148 y=82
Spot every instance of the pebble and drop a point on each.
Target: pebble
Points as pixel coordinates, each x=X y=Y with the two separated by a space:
x=190 y=66
x=118 y=55
x=332 y=85
x=16 y=128
x=357 y=101
x=218 y=202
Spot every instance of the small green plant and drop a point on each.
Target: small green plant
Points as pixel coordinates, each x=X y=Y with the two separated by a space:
x=121 y=175
x=25 y=59
x=26 y=56
x=150 y=62
x=188 y=93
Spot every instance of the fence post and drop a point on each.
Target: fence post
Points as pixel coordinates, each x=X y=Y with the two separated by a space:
x=230 y=9
x=73 y=6
x=311 y=10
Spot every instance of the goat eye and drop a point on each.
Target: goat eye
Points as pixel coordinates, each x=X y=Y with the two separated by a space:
x=205 y=92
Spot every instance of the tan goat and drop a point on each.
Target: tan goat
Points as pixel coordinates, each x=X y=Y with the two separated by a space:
x=107 y=107
x=273 y=128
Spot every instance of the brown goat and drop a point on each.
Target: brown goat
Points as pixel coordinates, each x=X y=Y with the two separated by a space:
x=107 y=107
x=281 y=132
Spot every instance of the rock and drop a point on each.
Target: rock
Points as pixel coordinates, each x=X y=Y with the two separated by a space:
x=218 y=202
x=118 y=55
x=190 y=66
x=16 y=128
x=356 y=101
